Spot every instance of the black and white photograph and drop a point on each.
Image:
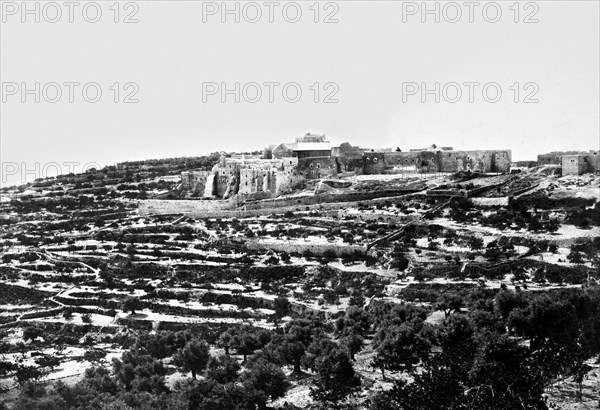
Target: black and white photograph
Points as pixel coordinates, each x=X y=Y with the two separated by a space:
x=299 y=205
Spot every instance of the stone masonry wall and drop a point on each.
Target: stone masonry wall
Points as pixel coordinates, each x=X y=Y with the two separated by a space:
x=317 y=167
x=436 y=161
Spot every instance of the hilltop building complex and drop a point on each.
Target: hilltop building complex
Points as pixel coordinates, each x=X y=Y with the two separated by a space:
x=287 y=166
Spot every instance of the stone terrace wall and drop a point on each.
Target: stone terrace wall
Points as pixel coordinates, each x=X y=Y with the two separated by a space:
x=316 y=249
x=157 y=206
x=231 y=208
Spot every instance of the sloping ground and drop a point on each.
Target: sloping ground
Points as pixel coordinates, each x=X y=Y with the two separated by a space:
x=516 y=186
x=571 y=186
x=476 y=186
x=566 y=393
x=389 y=182
x=18 y=295
x=584 y=186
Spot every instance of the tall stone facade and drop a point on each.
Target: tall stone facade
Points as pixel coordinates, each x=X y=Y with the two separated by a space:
x=233 y=176
x=254 y=180
x=194 y=181
x=317 y=167
x=348 y=158
x=431 y=161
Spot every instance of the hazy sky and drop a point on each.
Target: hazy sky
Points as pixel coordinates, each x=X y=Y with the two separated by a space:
x=367 y=58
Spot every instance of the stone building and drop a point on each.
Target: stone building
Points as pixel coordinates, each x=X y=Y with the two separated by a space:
x=572 y=162
x=579 y=164
x=555 y=157
x=309 y=145
x=239 y=175
x=287 y=166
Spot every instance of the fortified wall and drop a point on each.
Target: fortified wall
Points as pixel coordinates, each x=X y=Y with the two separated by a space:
x=287 y=166
x=348 y=158
x=256 y=178
x=194 y=181
x=317 y=167
x=431 y=161
x=232 y=176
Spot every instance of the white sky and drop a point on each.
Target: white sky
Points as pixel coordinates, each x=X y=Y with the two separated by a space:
x=369 y=54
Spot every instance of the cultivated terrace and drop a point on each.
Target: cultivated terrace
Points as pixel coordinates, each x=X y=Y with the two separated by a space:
x=415 y=301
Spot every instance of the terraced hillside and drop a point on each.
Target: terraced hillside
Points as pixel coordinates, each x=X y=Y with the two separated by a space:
x=90 y=288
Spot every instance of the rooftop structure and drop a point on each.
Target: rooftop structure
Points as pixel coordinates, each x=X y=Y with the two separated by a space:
x=308 y=137
x=306 y=146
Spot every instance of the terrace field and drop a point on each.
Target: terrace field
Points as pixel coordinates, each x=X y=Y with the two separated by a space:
x=103 y=299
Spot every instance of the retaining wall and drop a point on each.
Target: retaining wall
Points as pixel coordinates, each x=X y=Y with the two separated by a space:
x=316 y=249
x=234 y=208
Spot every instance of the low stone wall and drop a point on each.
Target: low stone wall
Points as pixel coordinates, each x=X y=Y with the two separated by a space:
x=385 y=218
x=42 y=313
x=325 y=198
x=448 y=193
x=316 y=249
